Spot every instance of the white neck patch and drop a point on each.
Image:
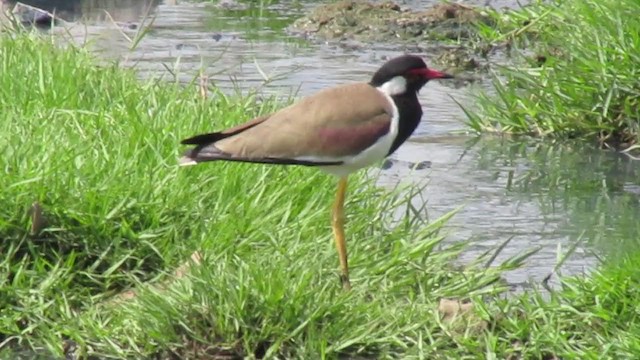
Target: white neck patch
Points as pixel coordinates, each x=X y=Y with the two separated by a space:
x=395 y=86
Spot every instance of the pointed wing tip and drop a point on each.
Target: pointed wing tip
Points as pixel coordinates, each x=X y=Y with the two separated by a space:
x=187 y=161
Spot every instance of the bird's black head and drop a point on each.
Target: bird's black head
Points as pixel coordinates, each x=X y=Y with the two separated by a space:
x=405 y=73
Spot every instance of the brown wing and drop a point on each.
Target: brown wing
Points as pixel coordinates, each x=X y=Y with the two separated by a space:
x=333 y=123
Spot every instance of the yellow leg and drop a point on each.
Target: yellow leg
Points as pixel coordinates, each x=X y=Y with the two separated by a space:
x=338 y=232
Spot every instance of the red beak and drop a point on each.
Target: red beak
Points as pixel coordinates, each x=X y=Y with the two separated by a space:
x=431 y=74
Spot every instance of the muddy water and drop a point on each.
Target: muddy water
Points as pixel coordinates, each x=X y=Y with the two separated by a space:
x=539 y=195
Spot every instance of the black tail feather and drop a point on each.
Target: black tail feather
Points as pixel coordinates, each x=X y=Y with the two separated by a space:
x=204 y=139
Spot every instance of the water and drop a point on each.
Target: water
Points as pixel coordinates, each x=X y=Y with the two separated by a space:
x=539 y=195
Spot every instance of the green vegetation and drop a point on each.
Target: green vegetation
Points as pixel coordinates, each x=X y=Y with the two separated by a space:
x=575 y=75
x=98 y=222
x=590 y=318
x=97 y=151
x=255 y=21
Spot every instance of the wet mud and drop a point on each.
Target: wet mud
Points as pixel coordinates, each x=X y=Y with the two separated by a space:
x=447 y=27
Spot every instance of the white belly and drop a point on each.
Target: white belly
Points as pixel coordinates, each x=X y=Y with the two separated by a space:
x=379 y=149
x=368 y=157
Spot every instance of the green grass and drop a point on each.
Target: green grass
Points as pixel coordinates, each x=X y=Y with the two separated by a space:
x=256 y=21
x=97 y=150
x=589 y=318
x=575 y=72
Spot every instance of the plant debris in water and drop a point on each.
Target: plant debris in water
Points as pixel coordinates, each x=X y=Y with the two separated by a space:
x=367 y=21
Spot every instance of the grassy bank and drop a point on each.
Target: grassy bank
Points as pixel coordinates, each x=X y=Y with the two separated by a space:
x=94 y=206
x=575 y=75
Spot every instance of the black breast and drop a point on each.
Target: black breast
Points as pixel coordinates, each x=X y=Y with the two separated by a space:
x=410 y=114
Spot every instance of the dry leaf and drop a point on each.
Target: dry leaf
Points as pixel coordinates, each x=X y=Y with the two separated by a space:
x=38 y=222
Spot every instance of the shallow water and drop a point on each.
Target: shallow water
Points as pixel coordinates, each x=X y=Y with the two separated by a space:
x=539 y=195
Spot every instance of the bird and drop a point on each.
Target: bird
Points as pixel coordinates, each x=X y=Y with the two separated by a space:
x=338 y=130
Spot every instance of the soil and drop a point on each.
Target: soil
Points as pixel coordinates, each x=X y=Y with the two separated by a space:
x=365 y=22
x=387 y=21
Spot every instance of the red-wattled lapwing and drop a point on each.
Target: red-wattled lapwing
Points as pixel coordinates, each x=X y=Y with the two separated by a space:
x=339 y=130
